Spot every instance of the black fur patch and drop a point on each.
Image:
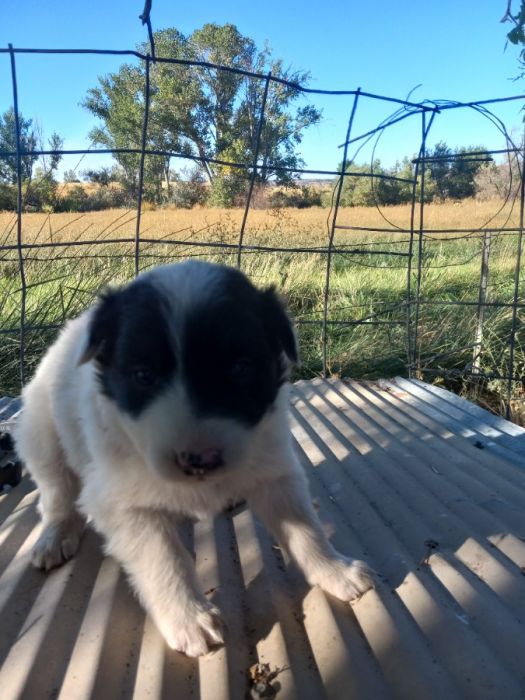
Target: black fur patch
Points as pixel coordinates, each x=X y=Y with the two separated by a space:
x=233 y=347
x=130 y=342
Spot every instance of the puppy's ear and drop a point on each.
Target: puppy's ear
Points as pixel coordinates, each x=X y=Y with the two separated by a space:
x=103 y=328
x=279 y=324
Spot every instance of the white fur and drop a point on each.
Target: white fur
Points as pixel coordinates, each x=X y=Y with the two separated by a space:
x=90 y=461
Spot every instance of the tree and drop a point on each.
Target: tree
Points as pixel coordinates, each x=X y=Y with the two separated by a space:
x=439 y=170
x=102 y=176
x=406 y=170
x=453 y=171
x=49 y=163
x=463 y=171
x=37 y=173
x=498 y=180
x=203 y=112
x=188 y=190
x=517 y=34
x=41 y=191
x=449 y=174
x=71 y=176
x=367 y=191
x=28 y=141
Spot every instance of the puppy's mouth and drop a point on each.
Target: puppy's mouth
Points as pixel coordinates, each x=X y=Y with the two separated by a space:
x=199 y=472
x=197 y=466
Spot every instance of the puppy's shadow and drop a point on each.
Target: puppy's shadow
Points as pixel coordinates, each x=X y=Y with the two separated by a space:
x=257 y=589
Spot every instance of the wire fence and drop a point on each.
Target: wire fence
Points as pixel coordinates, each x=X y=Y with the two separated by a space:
x=399 y=247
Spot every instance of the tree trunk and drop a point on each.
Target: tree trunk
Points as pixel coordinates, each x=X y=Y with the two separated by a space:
x=205 y=165
x=167 y=177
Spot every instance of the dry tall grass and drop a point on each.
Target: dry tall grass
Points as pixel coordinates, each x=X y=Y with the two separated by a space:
x=298 y=225
x=205 y=223
x=370 y=285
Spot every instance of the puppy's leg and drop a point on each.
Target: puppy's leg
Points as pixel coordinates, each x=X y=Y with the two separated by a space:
x=38 y=446
x=162 y=573
x=285 y=508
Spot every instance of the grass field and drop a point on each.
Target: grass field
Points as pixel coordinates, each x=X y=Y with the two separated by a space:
x=371 y=285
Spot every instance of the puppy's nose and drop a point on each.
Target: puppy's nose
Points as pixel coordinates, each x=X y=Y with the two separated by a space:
x=205 y=460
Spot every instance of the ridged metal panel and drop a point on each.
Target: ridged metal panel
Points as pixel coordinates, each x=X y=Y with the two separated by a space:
x=394 y=466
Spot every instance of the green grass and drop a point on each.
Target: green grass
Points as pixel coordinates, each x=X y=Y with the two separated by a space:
x=60 y=283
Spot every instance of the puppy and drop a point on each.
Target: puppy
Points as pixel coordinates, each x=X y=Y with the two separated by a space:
x=169 y=399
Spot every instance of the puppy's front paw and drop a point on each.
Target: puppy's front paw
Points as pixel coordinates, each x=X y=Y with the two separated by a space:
x=57 y=543
x=346 y=579
x=198 y=631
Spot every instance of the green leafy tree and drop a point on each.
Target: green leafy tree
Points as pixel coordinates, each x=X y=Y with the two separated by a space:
x=50 y=163
x=28 y=141
x=41 y=191
x=452 y=172
x=517 y=34
x=355 y=189
x=405 y=170
x=71 y=176
x=366 y=190
x=118 y=102
x=203 y=112
x=102 y=176
x=188 y=189
x=38 y=174
x=439 y=170
x=464 y=170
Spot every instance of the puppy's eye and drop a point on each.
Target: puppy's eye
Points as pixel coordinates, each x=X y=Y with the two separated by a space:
x=143 y=376
x=242 y=369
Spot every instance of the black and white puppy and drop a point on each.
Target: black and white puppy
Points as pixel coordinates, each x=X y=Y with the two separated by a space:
x=169 y=399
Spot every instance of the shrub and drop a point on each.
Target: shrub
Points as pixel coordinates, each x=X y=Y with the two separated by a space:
x=40 y=194
x=7 y=197
x=227 y=191
x=186 y=194
x=78 y=199
x=299 y=197
x=75 y=199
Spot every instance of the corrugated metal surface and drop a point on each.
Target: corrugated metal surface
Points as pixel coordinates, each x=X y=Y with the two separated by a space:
x=427 y=487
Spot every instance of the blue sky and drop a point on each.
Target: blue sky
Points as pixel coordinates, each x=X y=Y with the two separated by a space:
x=444 y=50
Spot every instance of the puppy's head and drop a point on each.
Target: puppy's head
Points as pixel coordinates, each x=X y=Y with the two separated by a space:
x=193 y=357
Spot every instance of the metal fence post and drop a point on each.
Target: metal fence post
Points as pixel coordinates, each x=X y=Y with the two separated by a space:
x=21 y=261
x=482 y=298
x=415 y=363
x=332 y=234
x=254 y=169
x=517 y=270
x=141 y=166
